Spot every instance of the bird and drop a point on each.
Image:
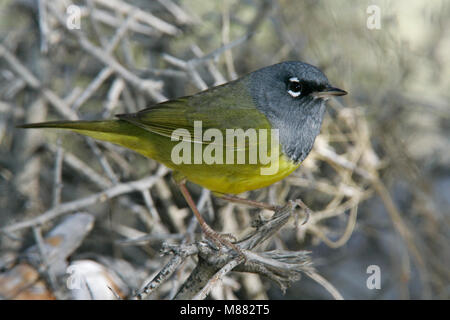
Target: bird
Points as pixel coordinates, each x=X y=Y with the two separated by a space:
x=264 y=125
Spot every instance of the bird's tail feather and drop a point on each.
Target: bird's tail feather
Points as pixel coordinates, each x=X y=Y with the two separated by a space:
x=115 y=131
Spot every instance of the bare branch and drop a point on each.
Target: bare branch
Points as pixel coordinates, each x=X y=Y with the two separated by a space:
x=115 y=191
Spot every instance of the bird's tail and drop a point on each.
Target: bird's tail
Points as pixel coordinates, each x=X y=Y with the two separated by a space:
x=116 y=131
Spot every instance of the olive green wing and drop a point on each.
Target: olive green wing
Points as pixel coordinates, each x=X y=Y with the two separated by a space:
x=225 y=107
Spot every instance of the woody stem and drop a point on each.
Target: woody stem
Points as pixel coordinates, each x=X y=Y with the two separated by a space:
x=251 y=203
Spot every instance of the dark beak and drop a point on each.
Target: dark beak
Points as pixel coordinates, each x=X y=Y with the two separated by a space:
x=329 y=92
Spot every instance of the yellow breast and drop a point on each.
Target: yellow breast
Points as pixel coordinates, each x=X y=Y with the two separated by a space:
x=236 y=179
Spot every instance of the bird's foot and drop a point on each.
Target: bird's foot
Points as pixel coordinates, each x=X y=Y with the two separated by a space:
x=220 y=240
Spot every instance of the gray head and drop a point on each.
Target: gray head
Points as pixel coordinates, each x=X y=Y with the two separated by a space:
x=292 y=96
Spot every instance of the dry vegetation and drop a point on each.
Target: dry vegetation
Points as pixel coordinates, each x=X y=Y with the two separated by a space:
x=374 y=190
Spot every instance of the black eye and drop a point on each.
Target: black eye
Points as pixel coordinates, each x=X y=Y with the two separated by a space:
x=294 y=87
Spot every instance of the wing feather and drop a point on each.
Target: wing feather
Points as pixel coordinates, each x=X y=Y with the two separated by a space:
x=223 y=107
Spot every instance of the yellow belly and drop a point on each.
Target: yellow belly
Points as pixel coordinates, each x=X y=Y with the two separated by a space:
x=236 y=178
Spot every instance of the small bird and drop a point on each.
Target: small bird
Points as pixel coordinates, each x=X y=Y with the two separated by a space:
x=275 y=112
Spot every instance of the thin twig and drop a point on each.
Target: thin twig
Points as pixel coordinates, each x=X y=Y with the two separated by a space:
x=32 y=81
x=142 y=16
x=324 y=283
x=57 y=181
x=43 y=27
x=148 y=86
x=107 y=194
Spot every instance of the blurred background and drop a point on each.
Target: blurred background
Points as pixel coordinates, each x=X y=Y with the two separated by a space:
x=377 y=181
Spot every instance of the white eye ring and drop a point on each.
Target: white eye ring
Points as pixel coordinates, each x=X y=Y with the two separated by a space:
x=294 y=94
